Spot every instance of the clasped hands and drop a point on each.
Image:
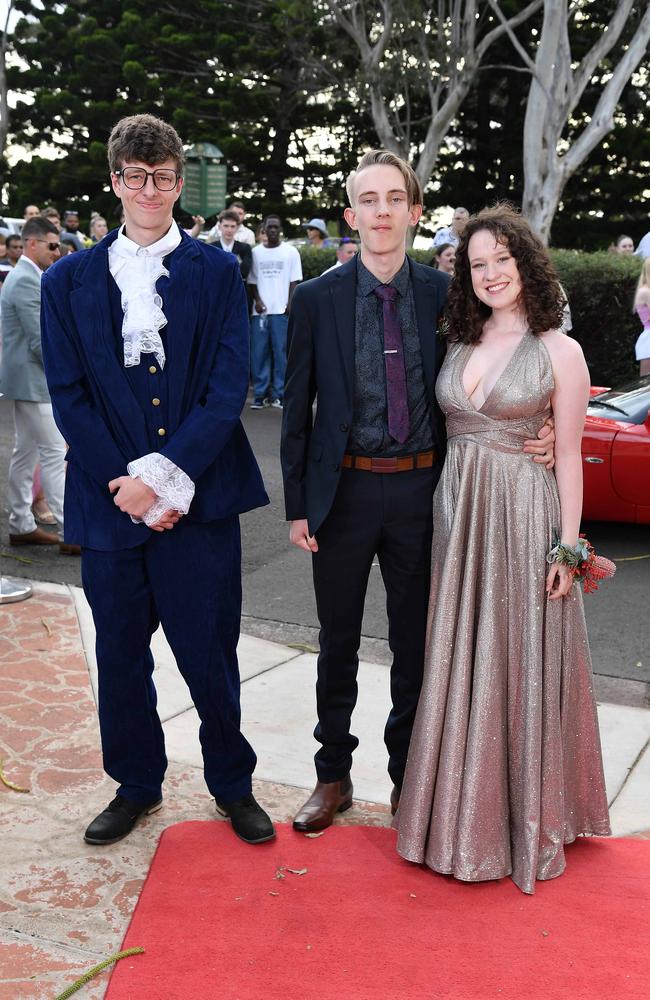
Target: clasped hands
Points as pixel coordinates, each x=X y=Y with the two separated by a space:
x=134 y=497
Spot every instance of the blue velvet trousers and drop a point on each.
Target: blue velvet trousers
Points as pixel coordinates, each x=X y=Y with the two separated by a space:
x=189 y=581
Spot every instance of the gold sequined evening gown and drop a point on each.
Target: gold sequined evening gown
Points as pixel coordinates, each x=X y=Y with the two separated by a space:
x=505 y=765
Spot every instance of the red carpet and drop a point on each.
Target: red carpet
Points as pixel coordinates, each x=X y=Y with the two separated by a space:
x=361 y=924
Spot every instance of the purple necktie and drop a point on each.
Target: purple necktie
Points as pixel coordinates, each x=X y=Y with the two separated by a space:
x=399 y=425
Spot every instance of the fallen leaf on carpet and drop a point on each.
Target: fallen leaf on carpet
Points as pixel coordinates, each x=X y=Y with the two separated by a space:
x=297 y=871
x=271 y=893
x=545 y=933
x=313 y=836
x=279 y=874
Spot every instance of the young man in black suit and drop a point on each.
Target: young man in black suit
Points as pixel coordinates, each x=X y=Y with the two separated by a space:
x=228 y=225
x=359 y=476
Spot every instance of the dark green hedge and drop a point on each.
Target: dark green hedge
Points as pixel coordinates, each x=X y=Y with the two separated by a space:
x=600 y=288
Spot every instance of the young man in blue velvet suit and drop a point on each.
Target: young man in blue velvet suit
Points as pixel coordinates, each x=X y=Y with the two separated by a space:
x=359 y=476
x=145 y=343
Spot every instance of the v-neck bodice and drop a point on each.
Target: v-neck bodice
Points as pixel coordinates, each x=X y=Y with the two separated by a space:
x=517 y=404
x=502 y=374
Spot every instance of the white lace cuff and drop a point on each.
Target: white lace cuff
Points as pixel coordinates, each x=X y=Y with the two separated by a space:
x=173 y=488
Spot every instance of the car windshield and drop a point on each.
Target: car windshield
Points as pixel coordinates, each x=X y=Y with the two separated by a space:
x=629 y=402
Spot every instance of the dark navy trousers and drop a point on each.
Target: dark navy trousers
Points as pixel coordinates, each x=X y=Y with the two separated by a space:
x=188 y=580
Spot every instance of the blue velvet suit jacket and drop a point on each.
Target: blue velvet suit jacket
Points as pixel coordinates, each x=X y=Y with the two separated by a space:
x=99 y=414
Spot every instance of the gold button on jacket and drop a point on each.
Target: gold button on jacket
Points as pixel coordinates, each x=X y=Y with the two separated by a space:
x=153 y=369
x=161 y=431
x=156 y=402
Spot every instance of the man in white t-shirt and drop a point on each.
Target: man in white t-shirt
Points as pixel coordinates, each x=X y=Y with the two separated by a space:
x=276 y=271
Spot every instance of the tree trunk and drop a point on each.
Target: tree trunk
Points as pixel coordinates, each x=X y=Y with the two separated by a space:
x=4 y=97
x=557 y=87
x=450 y=57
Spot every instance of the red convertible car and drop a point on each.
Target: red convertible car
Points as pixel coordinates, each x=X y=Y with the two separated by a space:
x=616 y=454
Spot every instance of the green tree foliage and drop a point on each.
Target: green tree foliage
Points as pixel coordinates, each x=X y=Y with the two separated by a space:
x=256 y=77
x=276 y=86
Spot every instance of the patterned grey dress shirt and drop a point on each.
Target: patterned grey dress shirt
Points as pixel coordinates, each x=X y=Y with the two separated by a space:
x=369 y=434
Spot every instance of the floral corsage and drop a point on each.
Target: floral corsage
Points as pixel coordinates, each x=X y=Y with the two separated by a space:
x=582 y=562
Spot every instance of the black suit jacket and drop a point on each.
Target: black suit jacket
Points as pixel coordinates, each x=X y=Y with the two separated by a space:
x=321 y=364
x=243 y=253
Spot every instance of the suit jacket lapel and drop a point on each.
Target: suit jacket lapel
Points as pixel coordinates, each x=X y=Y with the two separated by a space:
x=92 y=310
x=343 y=293
x=181 y=311
x=428 y=308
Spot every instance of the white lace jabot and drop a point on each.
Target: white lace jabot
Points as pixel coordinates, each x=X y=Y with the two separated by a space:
x=136 y=270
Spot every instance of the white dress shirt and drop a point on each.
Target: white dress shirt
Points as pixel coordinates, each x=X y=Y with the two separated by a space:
x=136 y=270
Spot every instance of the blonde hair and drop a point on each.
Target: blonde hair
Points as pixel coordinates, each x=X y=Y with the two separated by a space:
x=644 y=277
x=384 y=158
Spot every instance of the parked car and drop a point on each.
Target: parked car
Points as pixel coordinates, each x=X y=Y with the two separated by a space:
x=616 y=454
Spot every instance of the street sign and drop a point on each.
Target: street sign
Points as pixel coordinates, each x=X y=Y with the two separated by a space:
x=204 y=190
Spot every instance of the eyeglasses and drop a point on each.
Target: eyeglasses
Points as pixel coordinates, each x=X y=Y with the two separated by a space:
x=50 y=246
x=135 y=178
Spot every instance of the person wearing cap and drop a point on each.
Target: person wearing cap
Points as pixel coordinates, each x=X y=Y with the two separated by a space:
x=317 y=233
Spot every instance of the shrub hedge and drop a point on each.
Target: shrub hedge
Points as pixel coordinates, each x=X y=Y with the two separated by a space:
x=600 y=288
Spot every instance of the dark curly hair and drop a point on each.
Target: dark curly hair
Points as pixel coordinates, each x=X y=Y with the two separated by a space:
x=542 y=299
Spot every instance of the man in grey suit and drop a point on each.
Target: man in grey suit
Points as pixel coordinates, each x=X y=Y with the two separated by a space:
x=22 y=379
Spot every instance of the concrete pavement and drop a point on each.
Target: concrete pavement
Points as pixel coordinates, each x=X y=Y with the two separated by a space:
x=63 y=905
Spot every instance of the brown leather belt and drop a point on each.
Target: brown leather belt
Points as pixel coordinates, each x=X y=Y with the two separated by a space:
x=402 y=463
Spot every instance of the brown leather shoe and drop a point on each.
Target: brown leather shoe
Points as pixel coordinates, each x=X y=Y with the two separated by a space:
x=35 y=537
x=326 y=800
x=68 y=549
x=394 y=799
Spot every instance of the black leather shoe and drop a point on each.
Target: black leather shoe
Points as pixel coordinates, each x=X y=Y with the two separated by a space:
x=248 y=819
x=117 y=820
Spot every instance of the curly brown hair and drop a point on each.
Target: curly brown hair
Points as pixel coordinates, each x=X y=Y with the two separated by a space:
x=542 y=298
x=144 y=138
